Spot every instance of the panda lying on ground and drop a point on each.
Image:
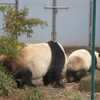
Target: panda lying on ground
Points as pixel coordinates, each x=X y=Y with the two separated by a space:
x=79 y=62
x=47 y=60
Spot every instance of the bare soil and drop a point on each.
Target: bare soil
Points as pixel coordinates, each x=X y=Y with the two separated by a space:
x=69 y=92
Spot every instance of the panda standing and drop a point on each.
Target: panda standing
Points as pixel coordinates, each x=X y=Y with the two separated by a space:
x=47 y=60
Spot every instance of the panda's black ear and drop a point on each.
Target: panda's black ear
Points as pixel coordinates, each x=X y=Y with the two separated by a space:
x=99 y=54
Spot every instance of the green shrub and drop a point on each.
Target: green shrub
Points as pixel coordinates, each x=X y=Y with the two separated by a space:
x=10 y=46
x=7 y=83
x=7 y=88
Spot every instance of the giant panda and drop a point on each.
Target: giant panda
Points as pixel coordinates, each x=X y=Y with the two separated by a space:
x=97 y=60
x=79 y=63
x=47 y=60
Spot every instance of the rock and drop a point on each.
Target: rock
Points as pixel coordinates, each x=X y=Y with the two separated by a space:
x=85 y=83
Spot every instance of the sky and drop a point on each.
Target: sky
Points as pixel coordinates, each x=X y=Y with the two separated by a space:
x=72 y=24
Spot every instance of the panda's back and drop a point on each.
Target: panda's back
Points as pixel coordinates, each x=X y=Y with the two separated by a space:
x=79 y=59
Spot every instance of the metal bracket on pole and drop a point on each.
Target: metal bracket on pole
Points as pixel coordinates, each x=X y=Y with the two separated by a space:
x=54 y=8
x=7 y=3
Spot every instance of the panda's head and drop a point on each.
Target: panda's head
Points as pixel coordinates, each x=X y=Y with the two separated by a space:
x=97 y=60
x=79 y=63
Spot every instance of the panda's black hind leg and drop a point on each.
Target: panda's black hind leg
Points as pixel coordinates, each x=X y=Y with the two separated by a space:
x=46 y=80
x=24 y=78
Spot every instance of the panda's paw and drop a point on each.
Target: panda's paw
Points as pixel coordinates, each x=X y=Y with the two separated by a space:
x=59 y=86
x=35 y=86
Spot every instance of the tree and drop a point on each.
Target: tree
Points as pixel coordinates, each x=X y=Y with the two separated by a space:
x=15 y=25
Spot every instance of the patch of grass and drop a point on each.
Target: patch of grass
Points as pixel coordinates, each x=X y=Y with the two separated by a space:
x=75 y=96
x=8 y=90
x=30 y=93
x=7 y=83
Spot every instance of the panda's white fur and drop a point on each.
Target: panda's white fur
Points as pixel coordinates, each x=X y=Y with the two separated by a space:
x=79 y=59
x=39 y=63
x=36 y=59
x=79 y=62
x=97 y=60
x=66 y=59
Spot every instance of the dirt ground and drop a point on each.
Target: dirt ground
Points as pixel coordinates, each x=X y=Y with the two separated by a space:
x=69 y=92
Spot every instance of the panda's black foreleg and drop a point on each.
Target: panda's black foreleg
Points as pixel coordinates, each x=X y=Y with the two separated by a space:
x=48 y=79
x=24 y=78
x=53 y=77
x=57 y=81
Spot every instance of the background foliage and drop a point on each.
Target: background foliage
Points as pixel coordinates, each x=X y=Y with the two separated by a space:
x=15 y=24
x=18 y=23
